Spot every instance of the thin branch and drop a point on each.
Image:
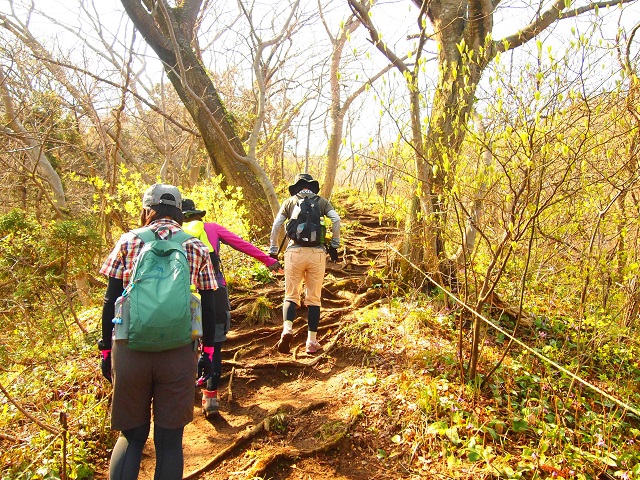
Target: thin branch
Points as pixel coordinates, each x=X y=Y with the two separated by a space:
x=153 y=107
x=634 y=30
x=9 y=438
x=22 y=410
x=592 y=6
x=554 y=13
x=362 y=13
x=349 y=100
x=262 y=45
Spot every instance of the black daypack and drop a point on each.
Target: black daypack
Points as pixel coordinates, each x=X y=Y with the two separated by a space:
x=305 y=227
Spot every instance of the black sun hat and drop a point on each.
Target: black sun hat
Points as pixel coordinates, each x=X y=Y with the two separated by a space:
x=304 y=180
x=189 y=208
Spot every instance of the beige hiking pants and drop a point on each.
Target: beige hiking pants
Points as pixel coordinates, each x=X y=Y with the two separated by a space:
x=304 y=264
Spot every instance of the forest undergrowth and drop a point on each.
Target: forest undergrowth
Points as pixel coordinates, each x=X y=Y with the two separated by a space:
x=395 y=397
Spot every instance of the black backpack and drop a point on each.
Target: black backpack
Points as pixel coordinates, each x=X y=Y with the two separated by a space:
x=305 y=227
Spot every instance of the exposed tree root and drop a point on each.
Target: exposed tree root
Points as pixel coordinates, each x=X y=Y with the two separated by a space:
x=246 y=349
x=286 y=363
x=349 y=284
x=502 y=307
x=251 y=334
x=368 y=298
x=251 y=352
x=263 y=462
x=250 y=434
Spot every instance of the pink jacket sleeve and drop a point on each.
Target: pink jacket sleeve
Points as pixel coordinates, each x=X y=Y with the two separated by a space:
x=218 y=233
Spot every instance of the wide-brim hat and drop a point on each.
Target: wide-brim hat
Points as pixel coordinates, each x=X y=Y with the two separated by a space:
x=189 y=208
x=162 y=194
x=304 y=180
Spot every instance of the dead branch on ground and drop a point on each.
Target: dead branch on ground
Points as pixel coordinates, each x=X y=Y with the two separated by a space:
x=262 y=463
x=22 y=410
x=250 y=434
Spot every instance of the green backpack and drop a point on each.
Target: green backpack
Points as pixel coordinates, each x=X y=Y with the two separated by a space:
x=159 y=293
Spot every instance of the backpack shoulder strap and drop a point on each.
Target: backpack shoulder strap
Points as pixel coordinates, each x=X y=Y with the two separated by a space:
x=181 y=237
x=312 y=198
x=145 y=234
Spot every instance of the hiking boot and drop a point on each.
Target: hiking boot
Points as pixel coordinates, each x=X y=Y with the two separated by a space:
x=210 y=404
x=313 y=346
x=284 y=345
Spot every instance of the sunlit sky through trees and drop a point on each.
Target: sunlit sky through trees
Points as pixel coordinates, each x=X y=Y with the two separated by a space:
x=378 y=115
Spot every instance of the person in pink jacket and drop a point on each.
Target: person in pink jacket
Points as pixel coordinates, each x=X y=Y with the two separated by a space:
x=212 y=235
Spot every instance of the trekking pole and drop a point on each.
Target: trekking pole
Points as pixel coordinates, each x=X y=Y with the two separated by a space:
x=281 y=244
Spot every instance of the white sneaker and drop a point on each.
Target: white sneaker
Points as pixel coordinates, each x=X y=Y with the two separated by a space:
x=313 y=346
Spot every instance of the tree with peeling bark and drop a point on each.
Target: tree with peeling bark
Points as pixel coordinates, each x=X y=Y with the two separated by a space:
x=172 y=34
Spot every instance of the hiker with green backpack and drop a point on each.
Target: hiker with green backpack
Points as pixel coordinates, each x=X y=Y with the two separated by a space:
x=305 y=255
x=151 y=359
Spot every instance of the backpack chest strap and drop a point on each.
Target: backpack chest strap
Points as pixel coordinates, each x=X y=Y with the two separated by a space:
x=146 y=234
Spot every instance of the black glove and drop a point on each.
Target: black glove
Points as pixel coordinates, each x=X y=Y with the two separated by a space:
x=105 y=364
x=275 y=267
x=333 y=254
x=105 y=359
x=274 y=256
x=205 y=367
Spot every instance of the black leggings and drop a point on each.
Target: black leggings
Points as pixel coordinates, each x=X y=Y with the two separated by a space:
x=313 y=316
x=214 y=381
x=127 y=453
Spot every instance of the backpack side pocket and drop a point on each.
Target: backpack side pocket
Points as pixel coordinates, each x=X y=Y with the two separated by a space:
x=121 y=318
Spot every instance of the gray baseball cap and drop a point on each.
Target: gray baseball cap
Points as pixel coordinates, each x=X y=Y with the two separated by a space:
x=154 y=194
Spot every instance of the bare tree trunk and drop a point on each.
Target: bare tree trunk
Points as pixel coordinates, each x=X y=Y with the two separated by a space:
x=336 y=111
x=35 y=150
x=428 y=248
x=469 y=236
x=82 y=286
x=419 y=237
x=153 y=27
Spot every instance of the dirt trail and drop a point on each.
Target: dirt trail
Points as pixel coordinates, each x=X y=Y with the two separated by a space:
x=291 y=416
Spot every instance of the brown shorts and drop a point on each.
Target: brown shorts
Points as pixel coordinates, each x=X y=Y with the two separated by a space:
x=164 y=380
